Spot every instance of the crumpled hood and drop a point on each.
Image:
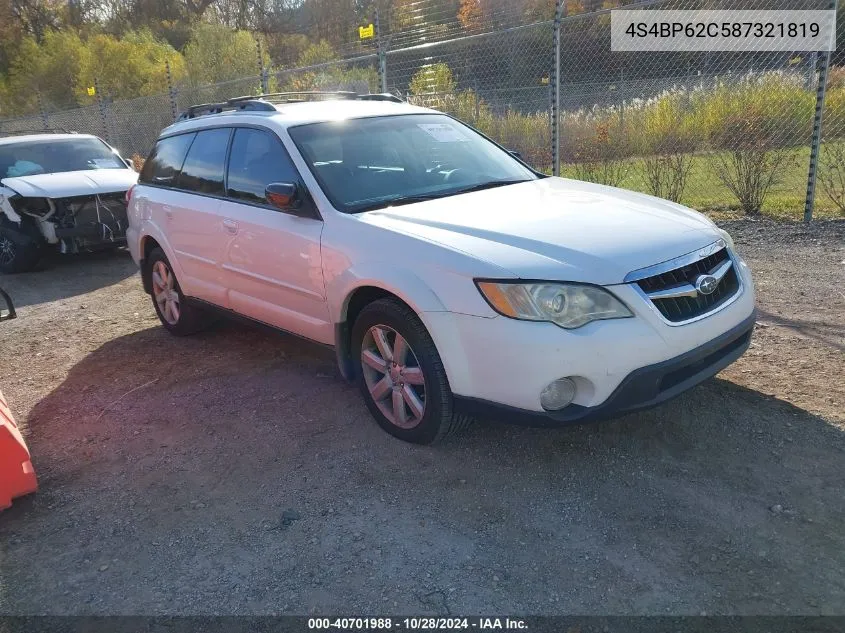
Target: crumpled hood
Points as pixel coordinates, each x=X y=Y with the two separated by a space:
x=556 y=229
x=72 y=183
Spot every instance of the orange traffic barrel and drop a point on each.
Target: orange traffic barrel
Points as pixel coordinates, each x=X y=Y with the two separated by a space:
x=17 y=476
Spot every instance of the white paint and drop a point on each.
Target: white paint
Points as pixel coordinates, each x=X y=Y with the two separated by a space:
x=298 y=273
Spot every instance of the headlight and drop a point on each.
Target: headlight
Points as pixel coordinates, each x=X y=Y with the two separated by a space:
x=568 y=305
x=726 y=236
x=31 y=206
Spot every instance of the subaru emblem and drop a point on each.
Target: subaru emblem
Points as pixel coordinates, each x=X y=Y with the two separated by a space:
x=706 y=284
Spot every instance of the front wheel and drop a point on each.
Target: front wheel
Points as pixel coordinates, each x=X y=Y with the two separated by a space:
x=401 y=375
x=19 y=252
x=173 y=311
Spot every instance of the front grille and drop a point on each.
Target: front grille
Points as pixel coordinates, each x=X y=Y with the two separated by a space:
x=677 y=309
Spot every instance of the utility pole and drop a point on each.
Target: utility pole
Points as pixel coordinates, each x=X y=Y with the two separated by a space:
x=560 y=12
x=262 y=71
x=101 y=104
x=382 y=55
x=815 y=143
x=171 y=91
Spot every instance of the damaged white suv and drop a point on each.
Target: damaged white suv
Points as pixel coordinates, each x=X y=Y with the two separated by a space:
x=451 y=279
x=61 y=191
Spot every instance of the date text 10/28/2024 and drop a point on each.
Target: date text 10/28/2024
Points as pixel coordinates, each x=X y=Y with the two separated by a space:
x=416 y=624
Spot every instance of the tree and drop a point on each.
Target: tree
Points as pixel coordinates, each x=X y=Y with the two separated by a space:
x=37 y=17
x=217 y=53
x=433 y=79
x=50 y=70
x=318 y=53
x=285 y=48
x=476 y=15
x=129 y=67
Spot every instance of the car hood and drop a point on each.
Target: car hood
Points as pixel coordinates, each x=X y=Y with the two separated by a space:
x=555 y=228
x=72 y=183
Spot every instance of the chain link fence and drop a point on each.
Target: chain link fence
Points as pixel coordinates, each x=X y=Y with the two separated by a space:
x=498 y=82
x=711 y=130
x=717 y=131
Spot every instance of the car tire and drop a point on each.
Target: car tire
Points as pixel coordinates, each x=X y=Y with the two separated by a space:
x=19 y=252
x=404 y=383
x=177 y=315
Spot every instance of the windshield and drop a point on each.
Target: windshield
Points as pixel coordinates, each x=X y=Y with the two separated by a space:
x=56 y=155
x=365 y=164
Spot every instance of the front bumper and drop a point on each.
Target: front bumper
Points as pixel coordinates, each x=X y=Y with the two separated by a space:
x=642 y=389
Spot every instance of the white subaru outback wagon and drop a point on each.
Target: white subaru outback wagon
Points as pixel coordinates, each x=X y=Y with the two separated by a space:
x=451 y=279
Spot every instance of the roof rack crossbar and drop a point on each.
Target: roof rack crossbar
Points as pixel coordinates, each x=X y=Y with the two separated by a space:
x=264 y=102
x=254 y=104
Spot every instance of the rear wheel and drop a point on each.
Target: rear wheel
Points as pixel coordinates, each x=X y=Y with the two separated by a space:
x=169 y=302
x=401 y=375
x=19 y=252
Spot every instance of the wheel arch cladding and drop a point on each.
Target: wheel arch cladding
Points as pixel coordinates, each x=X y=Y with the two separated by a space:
x=148 y=245
x=383 y=276
x=358 y=290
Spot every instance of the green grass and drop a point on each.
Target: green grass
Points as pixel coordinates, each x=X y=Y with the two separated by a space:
x=704 y=192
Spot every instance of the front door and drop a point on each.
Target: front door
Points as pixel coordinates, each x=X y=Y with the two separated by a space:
x=271 y=260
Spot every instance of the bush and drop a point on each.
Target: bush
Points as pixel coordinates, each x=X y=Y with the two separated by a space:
x=529 y=134
x=751 y=161
x=832 y=173
x=666 y=176
x=667 y=138
x=601 y=157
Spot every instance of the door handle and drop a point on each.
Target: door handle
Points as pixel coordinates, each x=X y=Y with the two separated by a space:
x=231 y=226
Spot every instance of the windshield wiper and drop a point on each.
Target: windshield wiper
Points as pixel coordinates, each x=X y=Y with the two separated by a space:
x=486 y=185
x=395 y=202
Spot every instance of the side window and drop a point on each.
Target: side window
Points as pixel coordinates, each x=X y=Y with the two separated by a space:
x=257 y=159
x=205 y=163
x=163 y=165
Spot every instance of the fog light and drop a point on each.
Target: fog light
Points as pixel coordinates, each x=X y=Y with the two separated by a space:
x=557 y=394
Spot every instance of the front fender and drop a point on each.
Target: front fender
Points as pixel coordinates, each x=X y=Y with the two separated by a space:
x=414 y=291
x=401 y=282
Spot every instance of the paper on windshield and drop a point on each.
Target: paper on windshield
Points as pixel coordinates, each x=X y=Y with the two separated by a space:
x=103 y=163
x=443 y=132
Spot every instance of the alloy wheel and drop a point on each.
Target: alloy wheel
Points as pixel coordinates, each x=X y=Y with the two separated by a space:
x=393 y=376
x=7 y=251
x=164 y=292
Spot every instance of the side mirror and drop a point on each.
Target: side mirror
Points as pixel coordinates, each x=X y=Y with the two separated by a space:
x=128 y=162
x=515 y=154
x=285 y=196
x=9 y=312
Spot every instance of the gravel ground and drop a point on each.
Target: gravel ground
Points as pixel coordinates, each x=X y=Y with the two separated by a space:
x=235 y=473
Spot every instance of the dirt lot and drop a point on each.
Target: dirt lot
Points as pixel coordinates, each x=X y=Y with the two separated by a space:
x=235 y=472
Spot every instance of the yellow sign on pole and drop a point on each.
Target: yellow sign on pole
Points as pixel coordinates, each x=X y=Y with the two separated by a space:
x=91 y=91
x=544 y=81
x=366 y=32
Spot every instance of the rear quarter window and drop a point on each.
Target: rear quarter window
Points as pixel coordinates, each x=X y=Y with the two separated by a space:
x=165 y=162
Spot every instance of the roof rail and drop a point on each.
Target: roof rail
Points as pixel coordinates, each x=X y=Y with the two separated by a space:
x=55 y=130
x=253 y=104
x=265 y=102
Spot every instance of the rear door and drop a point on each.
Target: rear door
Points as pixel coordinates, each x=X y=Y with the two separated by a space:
x=271 y=263
x=192 y=215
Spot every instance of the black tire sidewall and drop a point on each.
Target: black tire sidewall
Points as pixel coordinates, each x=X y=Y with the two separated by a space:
x=438 y=397
x=28 y=251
